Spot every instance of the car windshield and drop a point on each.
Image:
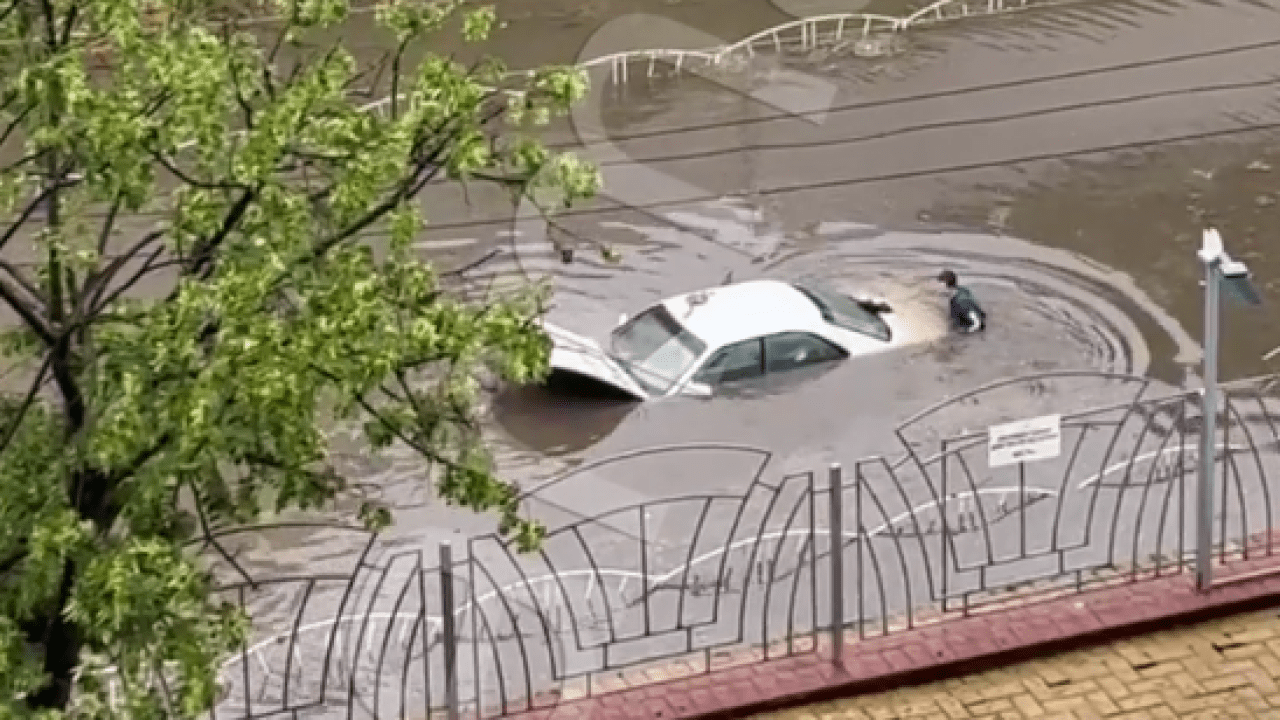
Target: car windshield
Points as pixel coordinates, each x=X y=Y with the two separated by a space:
x=655 y=349
x=843 y=311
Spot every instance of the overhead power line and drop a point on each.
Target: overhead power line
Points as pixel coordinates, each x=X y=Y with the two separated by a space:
x=958 y=91
x=890 y=177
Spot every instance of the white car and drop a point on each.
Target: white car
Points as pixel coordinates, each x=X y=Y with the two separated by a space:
x=692 y=343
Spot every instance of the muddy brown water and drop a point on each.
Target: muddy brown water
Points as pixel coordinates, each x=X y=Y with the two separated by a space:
x=1031 y=152
x=1062 y=160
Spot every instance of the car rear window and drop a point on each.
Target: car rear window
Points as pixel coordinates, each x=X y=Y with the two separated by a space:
x=843 y=311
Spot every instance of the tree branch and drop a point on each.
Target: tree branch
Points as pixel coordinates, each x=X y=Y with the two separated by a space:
x=50 y=25
x=96 y=284
x=211 y=539
x=13 y=126
x=108 y=225
x=27 y=402
x=395 y=76
x=148 y=266
x=201 y=260
x=17 y=223
x=12 y=562
x=69 y=23
x=30 y=316
x=27 y=286
x=13 y=5
x=184 y=177
x=425 y=169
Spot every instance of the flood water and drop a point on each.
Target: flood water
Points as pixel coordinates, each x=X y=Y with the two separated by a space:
x=1030 y=152
x=1062 y=160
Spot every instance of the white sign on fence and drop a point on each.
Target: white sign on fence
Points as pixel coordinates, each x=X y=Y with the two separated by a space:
x=1024 y=441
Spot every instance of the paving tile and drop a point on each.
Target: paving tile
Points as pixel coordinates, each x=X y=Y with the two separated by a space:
x=1230 y=666
x=1090 y=684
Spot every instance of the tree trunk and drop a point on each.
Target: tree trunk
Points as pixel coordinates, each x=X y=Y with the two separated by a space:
x=61 y=642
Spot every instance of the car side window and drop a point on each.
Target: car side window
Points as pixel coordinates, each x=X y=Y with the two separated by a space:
x=789 y=351
x=740 y=361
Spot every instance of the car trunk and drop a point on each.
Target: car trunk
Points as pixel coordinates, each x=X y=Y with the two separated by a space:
x=574 y=354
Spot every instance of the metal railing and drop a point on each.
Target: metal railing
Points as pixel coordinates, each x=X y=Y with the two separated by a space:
x=802 y=35
x=689 y=584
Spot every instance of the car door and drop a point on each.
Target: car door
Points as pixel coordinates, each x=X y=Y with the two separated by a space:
x=732 y=365
x=790 y=351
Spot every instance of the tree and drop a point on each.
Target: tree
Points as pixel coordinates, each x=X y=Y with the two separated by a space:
x=196 y=297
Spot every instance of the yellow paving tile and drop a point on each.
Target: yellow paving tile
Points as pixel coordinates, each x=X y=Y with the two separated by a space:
x=1220 y=670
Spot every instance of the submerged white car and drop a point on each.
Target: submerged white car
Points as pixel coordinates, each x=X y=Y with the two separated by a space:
x=693 y=343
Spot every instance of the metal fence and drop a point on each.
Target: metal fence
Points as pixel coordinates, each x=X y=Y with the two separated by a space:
x=930 y=534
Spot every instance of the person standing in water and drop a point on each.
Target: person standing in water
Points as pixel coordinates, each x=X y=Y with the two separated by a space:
x=966 y=314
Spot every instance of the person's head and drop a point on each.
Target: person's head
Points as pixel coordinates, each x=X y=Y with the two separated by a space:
x=948 y=279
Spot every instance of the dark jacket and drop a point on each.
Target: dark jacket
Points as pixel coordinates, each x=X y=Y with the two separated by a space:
x=962 y=304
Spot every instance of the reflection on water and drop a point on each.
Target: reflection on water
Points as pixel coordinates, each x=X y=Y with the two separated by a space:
x=567 y=415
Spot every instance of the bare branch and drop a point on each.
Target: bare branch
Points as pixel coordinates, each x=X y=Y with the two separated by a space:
x=242 y=100
x=184 y=177
x=13 y=5
x=148 y=266
x=17 y=223
x=15 y=124
x=50 y=24
x=108 y=225
x=27 y=402
x=30 y=316
x=268 y=82
x=378 y=68
x=395 y=76
x=69 y=23
x=14 y=274
x=96 y=284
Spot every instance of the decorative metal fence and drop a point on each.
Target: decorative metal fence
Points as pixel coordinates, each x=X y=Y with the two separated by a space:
x=865 y=32
x=689 y=584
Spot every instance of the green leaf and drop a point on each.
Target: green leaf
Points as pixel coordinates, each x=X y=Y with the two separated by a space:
x=223 y=269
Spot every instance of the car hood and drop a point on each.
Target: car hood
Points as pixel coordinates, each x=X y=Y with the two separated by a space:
x=573 y=353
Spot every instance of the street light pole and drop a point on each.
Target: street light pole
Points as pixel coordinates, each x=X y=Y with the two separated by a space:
x=1209 y=417
x=1219 y=271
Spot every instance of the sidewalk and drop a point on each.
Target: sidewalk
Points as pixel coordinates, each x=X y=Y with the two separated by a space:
x=1008 y=663
x=1225 y=668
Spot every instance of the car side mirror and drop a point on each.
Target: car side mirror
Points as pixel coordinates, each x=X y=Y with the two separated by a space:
x=622 y=320
x=698 y=389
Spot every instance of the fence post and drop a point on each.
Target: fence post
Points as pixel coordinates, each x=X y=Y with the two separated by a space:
x=449 y=630
x=1208 y=432
x=835 y=478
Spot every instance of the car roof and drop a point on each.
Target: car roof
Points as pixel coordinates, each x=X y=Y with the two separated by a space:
x=732 y=313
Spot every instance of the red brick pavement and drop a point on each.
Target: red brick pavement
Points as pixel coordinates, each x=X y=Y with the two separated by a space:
x=945 y=649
